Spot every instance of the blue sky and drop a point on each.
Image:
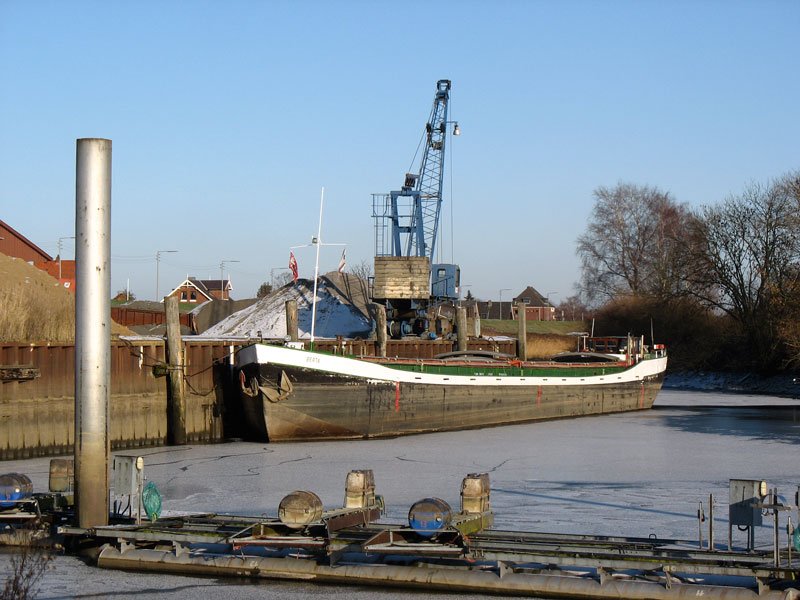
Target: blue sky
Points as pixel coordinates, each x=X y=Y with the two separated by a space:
x=228 y=118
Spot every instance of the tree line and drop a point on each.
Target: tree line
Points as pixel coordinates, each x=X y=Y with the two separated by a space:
x=719 y=283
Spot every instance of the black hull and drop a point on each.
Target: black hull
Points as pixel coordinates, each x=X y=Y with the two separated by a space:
x=324 y=406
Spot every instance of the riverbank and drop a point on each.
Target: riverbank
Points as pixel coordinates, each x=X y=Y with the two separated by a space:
x=735 y=383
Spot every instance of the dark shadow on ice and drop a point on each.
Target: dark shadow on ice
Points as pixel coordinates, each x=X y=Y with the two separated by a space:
x=568 y=501
x=774 y=424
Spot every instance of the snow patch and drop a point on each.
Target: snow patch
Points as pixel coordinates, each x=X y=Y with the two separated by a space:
x=267 y=317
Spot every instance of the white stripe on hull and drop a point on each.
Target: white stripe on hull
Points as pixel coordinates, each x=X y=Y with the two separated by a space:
x=328 y=363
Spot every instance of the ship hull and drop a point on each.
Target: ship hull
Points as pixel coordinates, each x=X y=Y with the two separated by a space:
x=304 y=396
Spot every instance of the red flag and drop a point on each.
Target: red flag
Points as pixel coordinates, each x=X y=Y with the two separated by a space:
x=343 y=261
x=293 y=266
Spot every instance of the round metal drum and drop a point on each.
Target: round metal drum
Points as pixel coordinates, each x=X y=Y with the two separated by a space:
x=13 y=487
x=429 y=516
x=299 y=509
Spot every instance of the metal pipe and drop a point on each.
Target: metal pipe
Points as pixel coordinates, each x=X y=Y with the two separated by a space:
x=184 y=561
x=711 y=522
x=700 y=518
x=92 y=328
x=775 y=530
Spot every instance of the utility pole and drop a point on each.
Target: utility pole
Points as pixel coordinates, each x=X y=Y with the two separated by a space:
x=71 y=237
x=222 y=278
x=158 y=261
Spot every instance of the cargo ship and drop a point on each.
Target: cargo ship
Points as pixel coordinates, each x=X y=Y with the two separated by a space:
x=293 y=394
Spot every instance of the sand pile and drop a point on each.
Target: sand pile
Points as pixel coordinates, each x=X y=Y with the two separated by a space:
x=336 y=313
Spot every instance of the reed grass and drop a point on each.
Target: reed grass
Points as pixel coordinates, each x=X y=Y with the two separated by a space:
x=546 y=345
x=33 y=306
x=510 y=327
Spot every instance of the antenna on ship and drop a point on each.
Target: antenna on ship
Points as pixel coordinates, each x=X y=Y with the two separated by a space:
x=316 y=267
x=316 y=241
x=652 y=335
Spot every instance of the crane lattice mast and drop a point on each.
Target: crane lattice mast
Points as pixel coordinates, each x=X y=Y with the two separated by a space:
x=412 y=213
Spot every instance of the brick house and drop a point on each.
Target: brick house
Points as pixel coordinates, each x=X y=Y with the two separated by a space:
x=198 y=291
x=537 y=307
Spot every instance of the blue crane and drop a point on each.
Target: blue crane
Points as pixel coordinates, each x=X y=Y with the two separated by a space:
x=407 y=225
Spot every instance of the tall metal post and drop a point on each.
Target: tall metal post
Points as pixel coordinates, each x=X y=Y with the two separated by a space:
x=92 y=328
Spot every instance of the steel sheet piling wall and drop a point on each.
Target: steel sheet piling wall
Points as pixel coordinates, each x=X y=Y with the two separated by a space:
x=92 y=328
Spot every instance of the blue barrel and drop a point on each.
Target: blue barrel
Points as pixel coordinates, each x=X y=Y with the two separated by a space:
x=429 y=516
x=14 y=487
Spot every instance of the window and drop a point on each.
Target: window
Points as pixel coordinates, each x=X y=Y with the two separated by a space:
x=183 y=296
x=194 y=297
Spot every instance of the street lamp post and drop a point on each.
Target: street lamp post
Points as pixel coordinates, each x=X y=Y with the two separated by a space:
x=70 y=237
x=158 y=262
x=501 y=301
x=222 y=278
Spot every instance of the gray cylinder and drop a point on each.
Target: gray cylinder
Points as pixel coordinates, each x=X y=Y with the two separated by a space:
x=92 y=329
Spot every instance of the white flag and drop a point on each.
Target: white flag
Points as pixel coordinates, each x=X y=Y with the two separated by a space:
x=343 y=261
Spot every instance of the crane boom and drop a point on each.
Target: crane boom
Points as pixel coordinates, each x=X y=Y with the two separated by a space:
x=431 y=176
x=412 y=213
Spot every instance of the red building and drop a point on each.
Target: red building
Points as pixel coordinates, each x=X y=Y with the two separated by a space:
x=13 y=243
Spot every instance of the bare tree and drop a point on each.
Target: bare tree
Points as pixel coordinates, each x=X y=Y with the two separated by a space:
x=362 y=270
x=281 y=279
x=28 y=565
x=744 y=255
x=573 y=309
x=631 y=243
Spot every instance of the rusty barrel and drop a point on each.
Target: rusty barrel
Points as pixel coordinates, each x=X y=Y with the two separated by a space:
x=299 y=509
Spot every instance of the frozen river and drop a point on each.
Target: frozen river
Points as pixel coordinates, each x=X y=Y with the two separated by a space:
x=633 y=474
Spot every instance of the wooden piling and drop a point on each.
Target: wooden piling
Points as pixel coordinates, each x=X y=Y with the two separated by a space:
x=461 y=328
x=476 y=321
x=522 y=335
x=380 y=329
x=291 y=320
x=176 y=399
